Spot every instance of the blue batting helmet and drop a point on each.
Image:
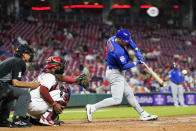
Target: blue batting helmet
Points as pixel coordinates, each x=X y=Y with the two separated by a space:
x=123 y=35
x=175 y=64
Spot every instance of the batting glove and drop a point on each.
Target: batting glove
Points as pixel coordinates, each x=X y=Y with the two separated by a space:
x=140 y=61
x=139 y=55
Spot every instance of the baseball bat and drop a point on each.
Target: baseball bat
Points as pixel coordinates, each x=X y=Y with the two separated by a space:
x=153 y=73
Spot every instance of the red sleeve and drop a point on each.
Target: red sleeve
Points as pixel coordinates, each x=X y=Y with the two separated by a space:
x=46 y=95
x=105 y=51
x=70 y=80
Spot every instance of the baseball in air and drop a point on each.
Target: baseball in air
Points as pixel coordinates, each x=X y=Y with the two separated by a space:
x=152 y=11
x=184 y=72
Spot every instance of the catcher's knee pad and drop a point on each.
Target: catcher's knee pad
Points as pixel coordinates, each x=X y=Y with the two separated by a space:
x=52 y=115
x=63 y=103
x=65 y=94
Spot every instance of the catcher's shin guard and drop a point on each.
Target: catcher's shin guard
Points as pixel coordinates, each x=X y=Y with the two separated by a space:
x=65 y=94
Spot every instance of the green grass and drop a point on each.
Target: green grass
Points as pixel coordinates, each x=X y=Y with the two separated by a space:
x=127 y=112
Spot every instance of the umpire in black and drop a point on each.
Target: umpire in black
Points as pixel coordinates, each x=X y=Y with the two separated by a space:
x=12 y=88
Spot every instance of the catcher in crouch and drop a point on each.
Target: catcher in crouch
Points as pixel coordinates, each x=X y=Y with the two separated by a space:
x=47 y=101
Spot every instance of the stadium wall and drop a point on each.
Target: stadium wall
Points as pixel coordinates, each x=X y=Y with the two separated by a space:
x=147 y=99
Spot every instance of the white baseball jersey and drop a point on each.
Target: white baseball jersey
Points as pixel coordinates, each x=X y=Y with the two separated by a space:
x=46 y=79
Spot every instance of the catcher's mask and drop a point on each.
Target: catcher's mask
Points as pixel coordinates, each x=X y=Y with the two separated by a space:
x=24 y=48
x=54 y=61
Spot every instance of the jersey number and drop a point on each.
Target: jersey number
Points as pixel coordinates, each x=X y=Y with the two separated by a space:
x=109 y=46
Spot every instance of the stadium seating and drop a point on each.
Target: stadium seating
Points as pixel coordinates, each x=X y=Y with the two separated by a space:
x=92 y=34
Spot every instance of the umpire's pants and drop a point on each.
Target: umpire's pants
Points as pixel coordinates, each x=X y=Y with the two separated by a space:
x=22 y=97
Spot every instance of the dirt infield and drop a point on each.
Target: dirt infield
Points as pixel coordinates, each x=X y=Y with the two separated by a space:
x=179 y=123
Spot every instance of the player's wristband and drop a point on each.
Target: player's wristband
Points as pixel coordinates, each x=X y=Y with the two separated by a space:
x=136 y=49
x=53 y=104
x=135 y=63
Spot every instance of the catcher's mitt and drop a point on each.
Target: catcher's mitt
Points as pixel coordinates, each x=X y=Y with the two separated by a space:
x=83 y=80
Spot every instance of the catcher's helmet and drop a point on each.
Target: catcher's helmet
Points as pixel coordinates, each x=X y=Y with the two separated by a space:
x=24 y=48
x=53 y=61
x=124 y=35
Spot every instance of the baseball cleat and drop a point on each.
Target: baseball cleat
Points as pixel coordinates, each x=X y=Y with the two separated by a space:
x=147 y=117
x=48 y=122
x=34 y=121
x=20 y=122
x=89 y=112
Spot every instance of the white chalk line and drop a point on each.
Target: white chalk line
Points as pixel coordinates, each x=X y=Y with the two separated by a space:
x=84 y=111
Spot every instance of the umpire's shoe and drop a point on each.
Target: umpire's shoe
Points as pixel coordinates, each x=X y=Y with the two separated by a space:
x=5 y=123
x=20 y=122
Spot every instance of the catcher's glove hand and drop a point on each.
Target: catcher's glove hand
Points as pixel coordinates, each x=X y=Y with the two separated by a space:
x=83 y=80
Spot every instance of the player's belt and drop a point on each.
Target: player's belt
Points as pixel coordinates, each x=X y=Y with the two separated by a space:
x=112 y=68
x=116 y=69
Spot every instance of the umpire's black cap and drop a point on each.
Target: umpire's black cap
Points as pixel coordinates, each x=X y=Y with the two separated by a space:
x=24 y=48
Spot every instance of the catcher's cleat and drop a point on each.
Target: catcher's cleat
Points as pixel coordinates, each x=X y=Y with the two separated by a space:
x=90 y=109
x=148 y=117
x=48 y=122
x=34 y=121
x=59 y=122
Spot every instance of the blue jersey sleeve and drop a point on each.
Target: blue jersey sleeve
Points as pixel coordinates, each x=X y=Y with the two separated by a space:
x=123 y=62
x=128 y=66
x=133 y=45
x=170 y=75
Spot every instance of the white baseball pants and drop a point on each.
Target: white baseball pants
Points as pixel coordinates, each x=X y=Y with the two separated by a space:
x=38 y=106
x=177 y=93
x=119 y=86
